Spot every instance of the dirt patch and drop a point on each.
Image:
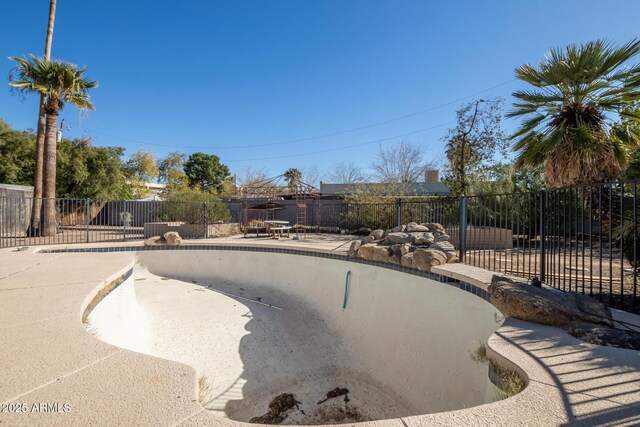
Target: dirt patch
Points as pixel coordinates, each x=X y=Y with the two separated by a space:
x=337 y=392
x=338 y=414
x=278 y=409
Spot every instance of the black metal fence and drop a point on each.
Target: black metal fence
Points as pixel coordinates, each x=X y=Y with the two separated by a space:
x=581 y=239
x=89 y=221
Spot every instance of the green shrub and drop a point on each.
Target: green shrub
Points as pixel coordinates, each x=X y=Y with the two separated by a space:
x=191 y=206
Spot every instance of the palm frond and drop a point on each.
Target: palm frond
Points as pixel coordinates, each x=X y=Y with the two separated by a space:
x=575 y=89
x=59 y=81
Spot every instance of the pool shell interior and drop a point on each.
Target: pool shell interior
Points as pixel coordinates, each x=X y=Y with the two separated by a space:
x=262 y=324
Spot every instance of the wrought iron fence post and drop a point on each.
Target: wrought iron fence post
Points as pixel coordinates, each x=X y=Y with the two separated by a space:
x=124 y=222
x=399 y=211
x=543 y=235
x=206 y=227
x=462 y=235
x=87 y=204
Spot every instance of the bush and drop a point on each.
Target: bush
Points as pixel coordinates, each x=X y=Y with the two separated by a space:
x=189 y=206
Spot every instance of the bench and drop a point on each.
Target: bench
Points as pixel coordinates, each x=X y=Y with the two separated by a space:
x=280 y=229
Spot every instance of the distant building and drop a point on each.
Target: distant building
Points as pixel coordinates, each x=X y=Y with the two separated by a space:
x=431 y=186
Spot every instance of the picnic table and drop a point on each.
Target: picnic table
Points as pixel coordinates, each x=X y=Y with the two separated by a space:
x=277 y=228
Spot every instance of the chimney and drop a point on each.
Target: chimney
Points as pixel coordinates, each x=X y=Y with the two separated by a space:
x=431 y=175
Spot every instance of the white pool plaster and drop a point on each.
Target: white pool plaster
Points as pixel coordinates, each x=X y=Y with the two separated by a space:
x=259 y=324
x=48 y=356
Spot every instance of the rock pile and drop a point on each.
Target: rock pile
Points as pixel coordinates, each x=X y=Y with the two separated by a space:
x=171 y=238
x=413 y=245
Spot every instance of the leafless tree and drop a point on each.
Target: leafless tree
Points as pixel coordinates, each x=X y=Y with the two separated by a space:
x=404 y=162
x=347 y=173
x=311 y=176
x=252 y=176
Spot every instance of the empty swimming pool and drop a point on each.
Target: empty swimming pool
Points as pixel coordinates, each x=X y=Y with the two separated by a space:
x=259 y=325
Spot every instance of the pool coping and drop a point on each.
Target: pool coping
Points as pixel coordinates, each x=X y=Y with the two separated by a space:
x=548 y=398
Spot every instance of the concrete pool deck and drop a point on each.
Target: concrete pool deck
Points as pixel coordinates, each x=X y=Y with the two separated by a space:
x=47 y=357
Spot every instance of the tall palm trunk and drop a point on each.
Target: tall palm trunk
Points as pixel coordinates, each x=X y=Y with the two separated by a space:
x=50 y=153
x=36 y=208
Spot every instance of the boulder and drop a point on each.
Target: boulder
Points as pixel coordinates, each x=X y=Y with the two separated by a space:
x=433 y=226
x=405 y=248
x=444 y=246
x=452 y=256
x=155 y=241
x=400 y=249
x=423 y=238
x=414 y=227
x=407 y=260
x=604 y=335
x=427 y=258
x=443 y=238
x=353 y=249
x=385 y=242
x=173 y=238
x=377 y=234
x=376 y=253
x=367 y=239
x=515 y=298
x=398 y=229
x=399 y=237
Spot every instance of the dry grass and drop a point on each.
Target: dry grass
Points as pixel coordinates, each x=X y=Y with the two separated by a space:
x=99 y=297
x=479 y=355
x=509 y=382
x=204 y=389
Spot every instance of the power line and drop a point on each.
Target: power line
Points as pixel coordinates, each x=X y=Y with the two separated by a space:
x=311 y=138
x=344 y=147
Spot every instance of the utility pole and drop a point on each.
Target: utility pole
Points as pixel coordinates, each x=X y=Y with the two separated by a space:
x=36 y=208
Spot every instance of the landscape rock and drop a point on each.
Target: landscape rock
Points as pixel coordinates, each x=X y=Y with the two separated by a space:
x=452 y=256
x=443 y=238
x=401 y=249
x=155 y=241
x=423 y=238
x=444 y=246
x=367 y=239
x=399 y=244
x=427 y=258
x=433 y=226
x=377 y=234
x=353 y=249
x=376 y=253
x=408 y=261
x=604 y=335
x=517 y=299
x=172 y=238
x=398 y=237
x=413 y=227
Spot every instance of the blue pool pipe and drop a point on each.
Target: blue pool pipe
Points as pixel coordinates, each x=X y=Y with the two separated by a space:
x=346 y=290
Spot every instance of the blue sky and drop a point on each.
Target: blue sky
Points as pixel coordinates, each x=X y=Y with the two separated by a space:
x=230 y=77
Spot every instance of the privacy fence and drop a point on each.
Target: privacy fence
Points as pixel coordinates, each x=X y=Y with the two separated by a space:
x=581 y=239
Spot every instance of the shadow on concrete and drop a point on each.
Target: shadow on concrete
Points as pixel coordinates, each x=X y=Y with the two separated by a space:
x=597 y=385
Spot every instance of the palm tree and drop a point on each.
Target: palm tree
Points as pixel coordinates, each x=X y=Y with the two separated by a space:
x=37 y=175
x=566 y=126
x=292 y=176
x=59 y=82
